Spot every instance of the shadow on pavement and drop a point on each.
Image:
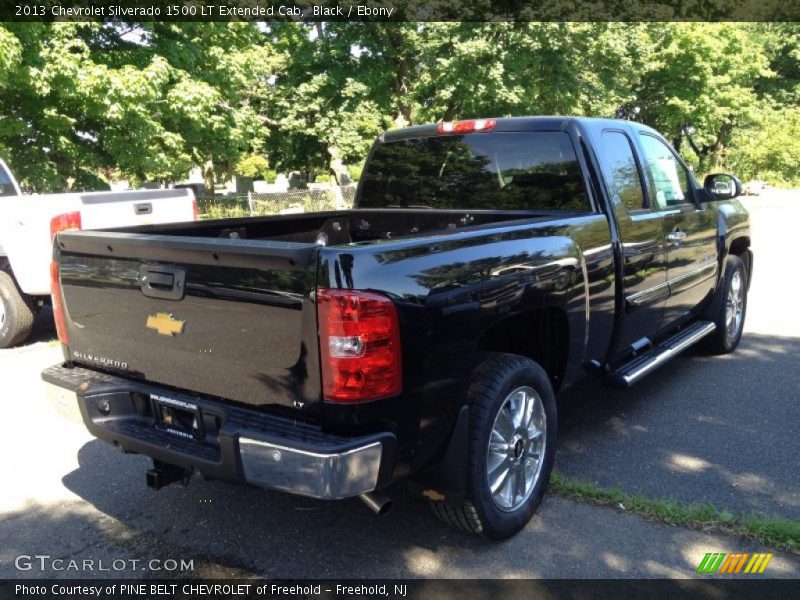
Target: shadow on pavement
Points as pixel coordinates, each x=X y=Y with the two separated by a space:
x=721 y=429
x=279 y=535
x=714 y=428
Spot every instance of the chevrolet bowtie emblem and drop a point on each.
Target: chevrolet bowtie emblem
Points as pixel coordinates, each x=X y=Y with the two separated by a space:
x=165 y=324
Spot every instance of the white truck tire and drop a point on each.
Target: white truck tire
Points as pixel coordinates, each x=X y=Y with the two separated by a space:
x=16 y=313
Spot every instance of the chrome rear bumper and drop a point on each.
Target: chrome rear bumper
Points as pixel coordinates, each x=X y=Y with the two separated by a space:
x=235 y=444
x=319 y=475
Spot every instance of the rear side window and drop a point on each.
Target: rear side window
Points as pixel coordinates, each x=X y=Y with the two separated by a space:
x=535 y=170
x=6 y=187
x=620 y=172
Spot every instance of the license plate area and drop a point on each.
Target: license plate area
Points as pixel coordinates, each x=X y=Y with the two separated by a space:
x=178 y=417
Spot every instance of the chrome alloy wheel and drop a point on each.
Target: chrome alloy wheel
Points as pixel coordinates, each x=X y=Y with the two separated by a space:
x=516 y=448
x=734 y=306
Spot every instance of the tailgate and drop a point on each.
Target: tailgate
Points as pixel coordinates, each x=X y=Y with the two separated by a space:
x=103 y=210
x=225 y=317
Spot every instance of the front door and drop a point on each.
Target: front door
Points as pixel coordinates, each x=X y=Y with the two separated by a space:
x=689 y=227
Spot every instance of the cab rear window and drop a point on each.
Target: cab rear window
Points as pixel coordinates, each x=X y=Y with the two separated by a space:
x=536 y=170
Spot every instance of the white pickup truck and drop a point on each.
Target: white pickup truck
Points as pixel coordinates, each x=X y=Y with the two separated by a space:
x=29 y=223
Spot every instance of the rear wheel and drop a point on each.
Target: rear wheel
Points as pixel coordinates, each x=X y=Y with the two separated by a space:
x=511 y=447
x=16 y=313
x=729 y=308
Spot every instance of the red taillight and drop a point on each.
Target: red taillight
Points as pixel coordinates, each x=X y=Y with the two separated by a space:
x=195 y=210
x=359 y=345
x=468 y=126
x=58 y=304
x=64 y=222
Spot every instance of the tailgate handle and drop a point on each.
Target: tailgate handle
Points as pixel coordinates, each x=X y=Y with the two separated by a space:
x=167 y=283
x=144 y=208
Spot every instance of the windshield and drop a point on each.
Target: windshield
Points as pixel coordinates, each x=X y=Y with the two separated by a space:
x=6 y=186
x=534 y=170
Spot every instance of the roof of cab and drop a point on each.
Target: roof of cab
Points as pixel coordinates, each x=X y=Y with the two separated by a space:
x=543 y=123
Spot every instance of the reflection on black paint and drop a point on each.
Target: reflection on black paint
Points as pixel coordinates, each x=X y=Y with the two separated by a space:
x=515 y=170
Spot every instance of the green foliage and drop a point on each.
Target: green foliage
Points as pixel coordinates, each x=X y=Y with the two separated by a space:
x=323 y=178
x=224 y=212
x=348 y=81
x=253 y=165
x=770 y=150
x=320 y=202
x=82 y=96
x=227 y=208
x=152 y=100
x=781 y=533
x=324 y=105
x=354 y=171
x=702 y=74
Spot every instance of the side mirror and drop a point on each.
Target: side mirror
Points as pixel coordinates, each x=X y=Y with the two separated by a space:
x=723 y=186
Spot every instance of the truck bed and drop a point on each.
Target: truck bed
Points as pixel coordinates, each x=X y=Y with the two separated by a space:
x=338 y=227
x=221 y=308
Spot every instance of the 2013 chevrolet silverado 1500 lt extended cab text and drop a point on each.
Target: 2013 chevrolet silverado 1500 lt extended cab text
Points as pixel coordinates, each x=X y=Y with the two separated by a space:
x=421 y=336
x=27 y=227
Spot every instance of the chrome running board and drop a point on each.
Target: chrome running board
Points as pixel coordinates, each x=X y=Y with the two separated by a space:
x=632 y=371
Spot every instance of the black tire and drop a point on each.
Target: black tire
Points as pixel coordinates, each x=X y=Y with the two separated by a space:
x=16 y=318
x=722 y=341
x=493 y=380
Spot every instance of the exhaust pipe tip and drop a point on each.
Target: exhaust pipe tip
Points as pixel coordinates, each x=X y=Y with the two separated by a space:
x=378 y=502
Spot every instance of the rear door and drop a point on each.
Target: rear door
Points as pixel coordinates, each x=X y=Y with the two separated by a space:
x=689 y=227
x=641 y=233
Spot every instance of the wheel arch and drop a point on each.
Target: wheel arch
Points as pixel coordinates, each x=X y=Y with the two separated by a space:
x=541 y=334
x=740 y=246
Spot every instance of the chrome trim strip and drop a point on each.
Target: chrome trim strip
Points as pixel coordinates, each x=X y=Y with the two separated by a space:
x=651 y=294
x=669 y=352
x=654 y=214
x=654 y=293
x=329 y=476
x=712 y=266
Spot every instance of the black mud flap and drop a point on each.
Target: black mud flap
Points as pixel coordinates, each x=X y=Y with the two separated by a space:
x=446 y=479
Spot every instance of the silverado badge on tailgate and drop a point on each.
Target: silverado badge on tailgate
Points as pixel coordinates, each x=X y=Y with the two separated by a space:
x=165 y=324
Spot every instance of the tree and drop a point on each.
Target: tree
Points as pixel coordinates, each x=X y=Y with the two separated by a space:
x=253 y=165
x=44 y=131
x=703 y=75
x=507 y=69
x=150 y=101
x=222 y=70
x=327 y=108
x=769 y=151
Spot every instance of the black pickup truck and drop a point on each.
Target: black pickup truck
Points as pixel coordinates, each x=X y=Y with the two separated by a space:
x=421 y=336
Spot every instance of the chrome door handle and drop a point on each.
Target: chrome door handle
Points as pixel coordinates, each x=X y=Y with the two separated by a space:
x=676 y=237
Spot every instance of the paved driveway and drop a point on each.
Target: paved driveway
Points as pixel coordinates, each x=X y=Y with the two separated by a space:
x=708 y=428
